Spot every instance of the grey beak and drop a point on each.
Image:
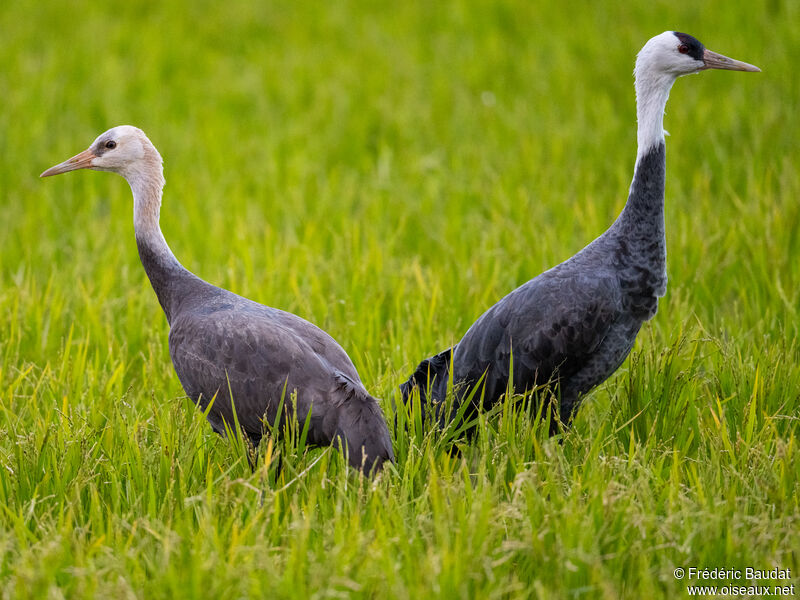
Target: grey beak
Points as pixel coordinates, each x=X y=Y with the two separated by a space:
x=713 y=60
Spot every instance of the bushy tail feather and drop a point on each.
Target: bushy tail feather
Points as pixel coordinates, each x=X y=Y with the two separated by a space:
x=362 y=427
x=430 y=378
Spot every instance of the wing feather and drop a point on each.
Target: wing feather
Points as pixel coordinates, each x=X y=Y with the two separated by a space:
x=549 y=326
x=248 y=358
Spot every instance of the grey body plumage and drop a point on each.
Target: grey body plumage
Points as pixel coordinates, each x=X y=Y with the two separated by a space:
x=248 y=356
x=574 y=325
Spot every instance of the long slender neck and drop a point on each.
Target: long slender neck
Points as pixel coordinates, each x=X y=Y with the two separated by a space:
x=652 y=93
x=644 y=210
x=160 y=264
x=637 y=239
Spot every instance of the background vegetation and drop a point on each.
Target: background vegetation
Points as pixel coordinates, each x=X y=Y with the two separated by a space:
x=388 y=171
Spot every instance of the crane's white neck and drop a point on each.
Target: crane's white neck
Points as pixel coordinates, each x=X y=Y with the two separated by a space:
x=652 y=93
x=147 y=182
x=162 y=268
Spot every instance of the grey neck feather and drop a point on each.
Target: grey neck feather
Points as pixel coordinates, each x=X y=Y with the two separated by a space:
x=642 y=219
x=644 y=210
x=162 y=268
x=638 y=236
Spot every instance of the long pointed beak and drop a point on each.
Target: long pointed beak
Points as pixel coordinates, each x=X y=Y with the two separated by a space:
x=79 y=161
x=717 y=61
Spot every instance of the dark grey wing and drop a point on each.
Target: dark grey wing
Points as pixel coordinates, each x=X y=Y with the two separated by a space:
x=550 y=327
x=242 y=361
x=245 y=358
x=318 y=340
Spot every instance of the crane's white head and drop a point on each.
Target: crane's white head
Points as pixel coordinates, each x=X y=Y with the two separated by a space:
x=124 y=150
x=675 y=54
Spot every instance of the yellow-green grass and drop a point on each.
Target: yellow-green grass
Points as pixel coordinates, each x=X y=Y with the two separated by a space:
x=388 y=172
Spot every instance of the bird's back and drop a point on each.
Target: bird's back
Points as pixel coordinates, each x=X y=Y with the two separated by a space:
x=543 y=331
x=572 y=325
x=248 y=357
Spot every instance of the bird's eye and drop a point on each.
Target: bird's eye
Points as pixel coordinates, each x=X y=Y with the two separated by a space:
x=111 y=144
x=683 y=48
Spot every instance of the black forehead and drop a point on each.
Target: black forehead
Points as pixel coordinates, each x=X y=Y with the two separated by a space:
x=695 y=46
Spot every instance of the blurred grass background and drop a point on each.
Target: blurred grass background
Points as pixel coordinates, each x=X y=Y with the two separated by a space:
x=388 y=172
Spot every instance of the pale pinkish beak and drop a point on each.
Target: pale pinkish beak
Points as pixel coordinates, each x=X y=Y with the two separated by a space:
x=717 y=61
x=79 y=161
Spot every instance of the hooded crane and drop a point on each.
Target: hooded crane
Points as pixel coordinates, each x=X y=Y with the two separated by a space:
x=573 y=325
x=231 y=350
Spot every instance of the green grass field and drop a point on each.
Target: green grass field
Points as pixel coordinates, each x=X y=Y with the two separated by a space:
x=389 y=172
